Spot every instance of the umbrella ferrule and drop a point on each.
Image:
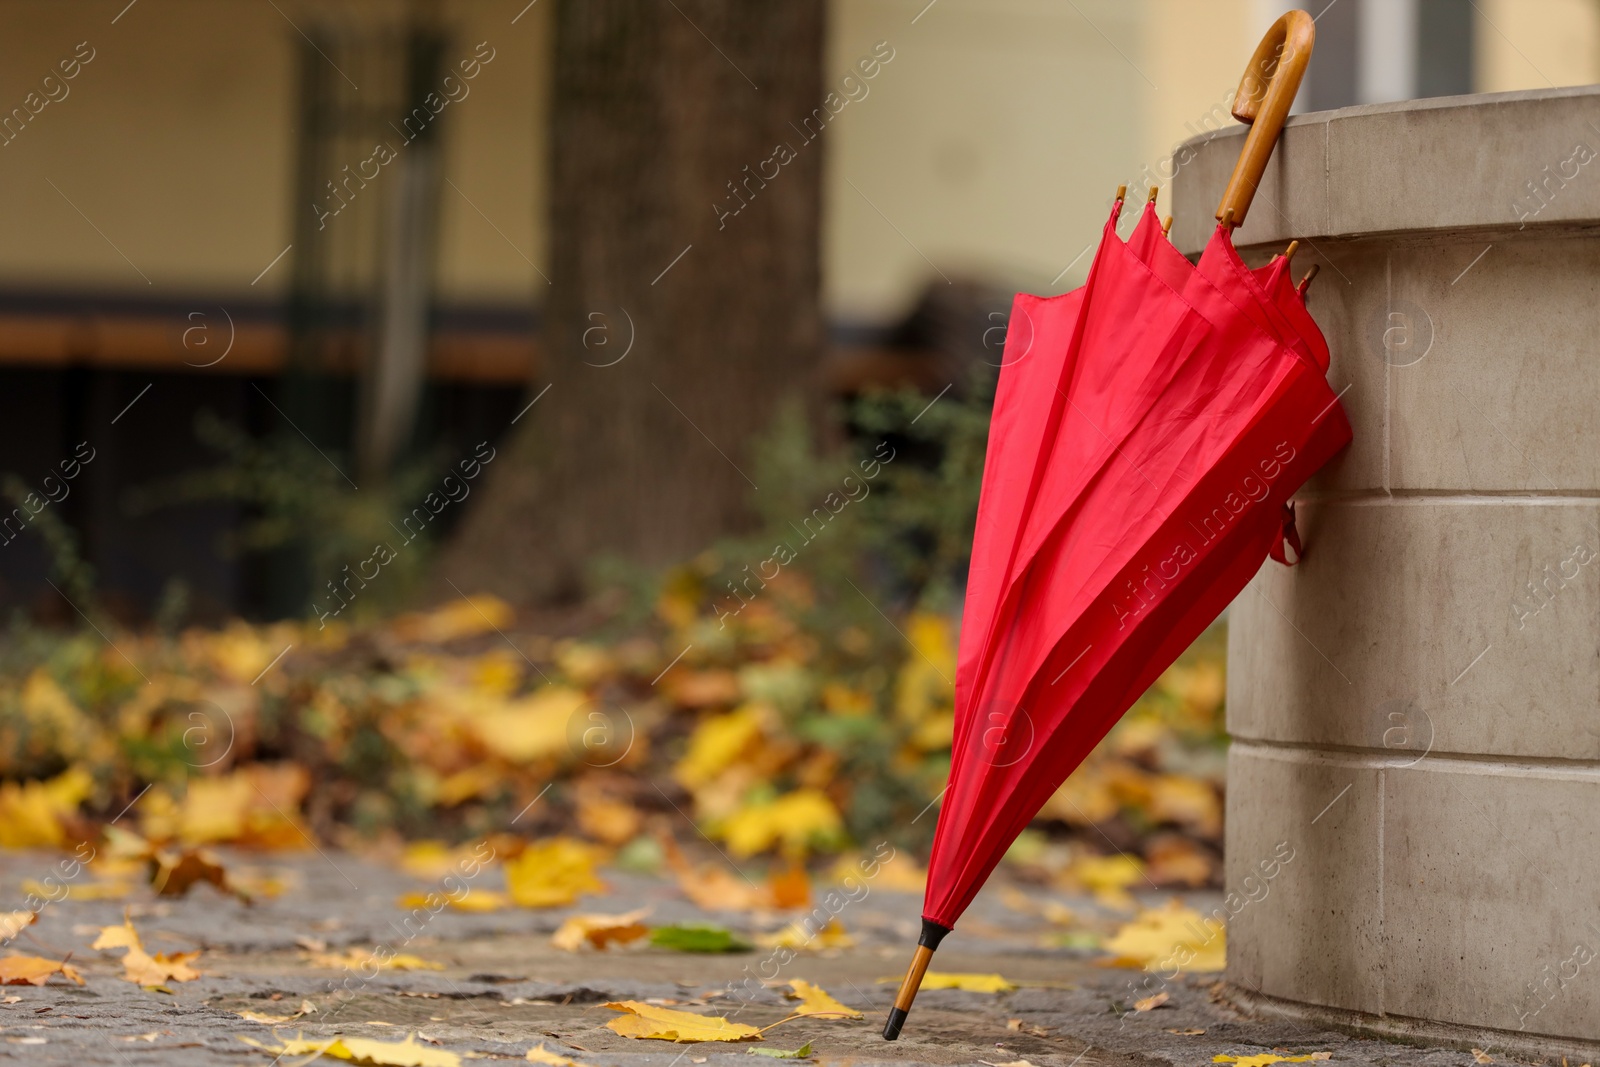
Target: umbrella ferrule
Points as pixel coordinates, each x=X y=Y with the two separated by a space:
x=932 y=934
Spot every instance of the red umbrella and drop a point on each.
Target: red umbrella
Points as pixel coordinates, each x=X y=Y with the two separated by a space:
x=1148 y=431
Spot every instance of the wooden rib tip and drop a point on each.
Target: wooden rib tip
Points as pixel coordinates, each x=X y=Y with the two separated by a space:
x=1306 y=281
x=1166 y=227
x=1122 y=192
x=1288 y=253
x=1151 y=197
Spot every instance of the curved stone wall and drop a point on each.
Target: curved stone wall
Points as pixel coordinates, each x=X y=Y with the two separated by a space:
x=1415 y=709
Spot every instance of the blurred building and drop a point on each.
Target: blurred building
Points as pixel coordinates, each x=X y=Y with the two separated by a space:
x=198 y=218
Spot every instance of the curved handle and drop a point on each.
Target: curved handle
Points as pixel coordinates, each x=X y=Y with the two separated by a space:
x=1265 y=95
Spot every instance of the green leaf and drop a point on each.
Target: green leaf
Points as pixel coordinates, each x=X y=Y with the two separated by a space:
x=698 y=937
x=801 y=1053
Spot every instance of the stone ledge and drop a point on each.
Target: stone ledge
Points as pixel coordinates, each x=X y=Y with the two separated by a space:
x=1418 y=166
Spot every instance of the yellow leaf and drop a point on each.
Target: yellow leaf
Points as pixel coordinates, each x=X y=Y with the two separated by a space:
x=476 y=901
x=794 y=819
x=79 y=890
x=306 y=1008
x=1189 y=801
x=643 y=1021
x=31 y=970
x=359 y=958
x=552 y=873
x=712 y=886
x=600 y=930
x=797 y=936
x=531 y=728
x=141 y=968
x=1152 y=1003
x=540 y=1054
x=923 y=687
x=1481 y=1056
x=972 y=983
x=12 y=922
x=461 y=617
x=615 y=822
x=717 y=742
x=32 y=813
x=1175 y=936
x=363 y=1050
x=1262 y=1060
x=816 y=1001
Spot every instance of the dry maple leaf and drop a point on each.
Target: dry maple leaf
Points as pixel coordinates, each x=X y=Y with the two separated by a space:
x=306 y=1008
x=1482 y=1056
x=972 y=983
x=600 y=930
x=816 y=1001
x=1175 y=935
x=1191 y=1032
x=540 y=1054
x=358 y=958
x=646 y=1021
x=172 y=874
x=12 y=922
x=1153 y=1002
x=1267 y=1058
x=552 y=874
x=139 y=966
x=32 y=970
x=365 y=1050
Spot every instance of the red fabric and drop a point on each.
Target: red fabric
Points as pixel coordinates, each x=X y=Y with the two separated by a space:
x=1148 y=430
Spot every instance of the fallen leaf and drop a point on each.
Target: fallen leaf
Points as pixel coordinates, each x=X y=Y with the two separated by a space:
x=1151 y=1003
x=643 y=1021
x=698 y=937
x=795 y=820
x=801 y=1053
x=540 y=1054
x=614 y=822
x=1261 y=1060
x=1168 y=937
x=1187 y=1033
x=1007 y=1063
x=816 y=1001
x=799 y=935
x=365 y=1050
x=32 y=970
x=141 y=968
x=461 y=617
x=598 y=931
x=10 y=1000
x=172 y=874
x=552 y=873
x=107 y=890
x=1482 y=1056
x=790 y=886
x=710 y=886
x=358 y=958
x=306 y=1008
x=12 y=922
x=972 y=983
x=475 y=901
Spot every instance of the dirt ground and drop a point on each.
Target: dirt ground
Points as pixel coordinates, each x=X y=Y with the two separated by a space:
x=504 y=988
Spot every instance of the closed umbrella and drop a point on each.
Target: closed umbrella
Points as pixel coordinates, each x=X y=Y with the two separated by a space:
x=1149 y=429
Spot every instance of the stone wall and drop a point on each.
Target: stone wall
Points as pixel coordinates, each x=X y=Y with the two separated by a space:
x=1415 y=708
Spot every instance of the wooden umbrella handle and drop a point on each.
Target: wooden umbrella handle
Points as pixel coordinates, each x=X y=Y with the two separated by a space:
x=1265 y=95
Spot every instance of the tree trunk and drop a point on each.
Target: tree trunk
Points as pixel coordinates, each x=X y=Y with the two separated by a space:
x=683 y=304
